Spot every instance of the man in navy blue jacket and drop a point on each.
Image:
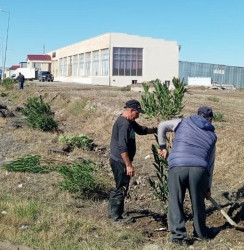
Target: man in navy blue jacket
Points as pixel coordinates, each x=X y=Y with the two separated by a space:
x=191 y=164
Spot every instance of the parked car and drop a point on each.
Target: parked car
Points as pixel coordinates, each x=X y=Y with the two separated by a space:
x=45 y=76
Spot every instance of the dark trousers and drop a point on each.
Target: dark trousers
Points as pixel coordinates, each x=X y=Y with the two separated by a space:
x=122 y=180
x=195 y=179
x=118 y=194
x=21 y=85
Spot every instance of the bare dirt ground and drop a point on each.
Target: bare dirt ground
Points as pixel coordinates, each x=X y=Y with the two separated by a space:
x=92 y=110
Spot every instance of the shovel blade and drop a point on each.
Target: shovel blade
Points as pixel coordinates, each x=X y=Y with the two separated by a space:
x=227 y=217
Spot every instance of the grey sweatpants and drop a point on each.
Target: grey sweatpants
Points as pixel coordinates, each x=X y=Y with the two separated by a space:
x=195 y=179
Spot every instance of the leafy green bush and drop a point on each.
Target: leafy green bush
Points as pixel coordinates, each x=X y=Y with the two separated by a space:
x=77 y=107
x=29 y=163
x=160 y=186
x=80 y=178
x=8 y=83
x=80 y=141
x=39 y=114
x=163 y=103
x=218 y=117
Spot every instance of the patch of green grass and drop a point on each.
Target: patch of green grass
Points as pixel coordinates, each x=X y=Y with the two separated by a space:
x=29 y=211
x=112 y=94
x=213 y=99
x=126 y=88
x=77 y=107
x=3 y=94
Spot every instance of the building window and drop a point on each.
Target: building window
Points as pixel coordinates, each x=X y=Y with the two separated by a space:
x=104 y=62
x=36 y=65
x=87 y=63
x=95 y=63
x=127 y=61
x=70 y=66
x=60 y=66
x=75 y=65
x=64 y=67
x=81 y=65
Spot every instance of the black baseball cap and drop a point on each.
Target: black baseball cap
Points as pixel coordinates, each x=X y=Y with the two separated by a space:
x=134 y=104
x=205 y=111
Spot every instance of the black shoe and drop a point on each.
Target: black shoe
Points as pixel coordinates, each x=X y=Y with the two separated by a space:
x=212 y=232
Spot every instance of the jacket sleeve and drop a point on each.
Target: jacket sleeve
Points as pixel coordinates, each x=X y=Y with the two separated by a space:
x=140 y=130
x=163 y=128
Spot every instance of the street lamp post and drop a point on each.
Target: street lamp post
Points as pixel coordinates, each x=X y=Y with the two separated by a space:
x=6 y=45
x=1 y=39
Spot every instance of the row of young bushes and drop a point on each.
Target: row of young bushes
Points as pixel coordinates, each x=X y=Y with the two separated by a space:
x=161 y=104
x=80 y=178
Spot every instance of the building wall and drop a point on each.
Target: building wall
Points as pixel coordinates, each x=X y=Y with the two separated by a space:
x=39 y=65
x=160 y=59
x=217 y=72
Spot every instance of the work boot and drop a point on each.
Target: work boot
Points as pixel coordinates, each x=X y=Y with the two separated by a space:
x=117 y=209
x=114 y=195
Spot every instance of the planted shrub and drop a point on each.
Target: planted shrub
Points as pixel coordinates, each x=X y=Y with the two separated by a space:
x=8 y=83
x=163 y=104
x=159 y=185
x=80 y=178
x=80 y=141
x=39 y=115
x=29 y=163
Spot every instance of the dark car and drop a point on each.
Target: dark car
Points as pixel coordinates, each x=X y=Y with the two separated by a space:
x=45 y=76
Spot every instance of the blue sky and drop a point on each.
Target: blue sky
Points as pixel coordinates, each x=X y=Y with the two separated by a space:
x=208 y=31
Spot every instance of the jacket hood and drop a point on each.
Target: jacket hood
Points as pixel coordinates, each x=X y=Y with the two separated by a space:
x=202 y=122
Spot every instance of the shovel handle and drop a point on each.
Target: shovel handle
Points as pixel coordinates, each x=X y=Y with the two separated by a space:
x=222 y=212
x=215 y=203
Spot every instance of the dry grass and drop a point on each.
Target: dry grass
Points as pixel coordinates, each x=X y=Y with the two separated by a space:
x=56 y=220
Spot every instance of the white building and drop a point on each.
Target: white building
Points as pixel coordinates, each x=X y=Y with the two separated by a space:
x=116 y=59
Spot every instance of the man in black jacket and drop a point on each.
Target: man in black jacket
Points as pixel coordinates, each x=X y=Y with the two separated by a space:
x=21 y=80
x=122 y=152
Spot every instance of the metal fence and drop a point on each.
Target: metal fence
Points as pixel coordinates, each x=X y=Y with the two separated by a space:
x=218 y=73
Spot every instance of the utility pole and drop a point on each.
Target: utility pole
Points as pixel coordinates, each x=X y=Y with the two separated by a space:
x=6 y=45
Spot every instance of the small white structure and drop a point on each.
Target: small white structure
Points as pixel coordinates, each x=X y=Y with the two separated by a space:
x=199 y=81
x=116 y=59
